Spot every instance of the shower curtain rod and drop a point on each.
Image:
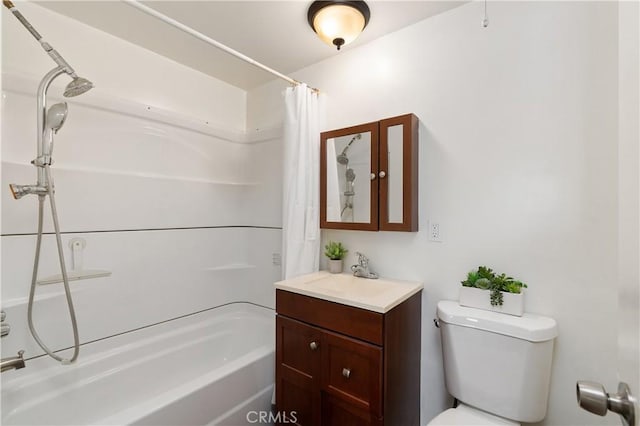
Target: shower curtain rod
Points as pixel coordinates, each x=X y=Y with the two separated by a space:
x=215 y=43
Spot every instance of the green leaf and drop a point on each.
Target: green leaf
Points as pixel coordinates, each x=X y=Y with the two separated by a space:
x=484 y=278
x=483 y=283
x=335 y=251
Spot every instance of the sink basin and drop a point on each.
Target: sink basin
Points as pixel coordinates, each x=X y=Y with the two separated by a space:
x=342 y=284
x=379 y=295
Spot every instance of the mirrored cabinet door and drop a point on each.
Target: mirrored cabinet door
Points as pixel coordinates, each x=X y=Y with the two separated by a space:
x=398 y=173
x=369 y=176
x=348 y=178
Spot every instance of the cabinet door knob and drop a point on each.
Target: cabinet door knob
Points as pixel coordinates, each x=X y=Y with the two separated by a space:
x=373 y=176
x=313 y=346
x=382 y=174
x=346 y=372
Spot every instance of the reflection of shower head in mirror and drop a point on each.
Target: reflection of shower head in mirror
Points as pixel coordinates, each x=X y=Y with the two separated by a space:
x=351 y=175
x=342 y=158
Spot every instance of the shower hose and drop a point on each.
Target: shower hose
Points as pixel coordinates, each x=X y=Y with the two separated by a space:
x=63 y=269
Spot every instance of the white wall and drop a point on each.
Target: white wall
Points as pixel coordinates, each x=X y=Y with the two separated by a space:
x=518 y=165
x=153 y=168
x=629 y=193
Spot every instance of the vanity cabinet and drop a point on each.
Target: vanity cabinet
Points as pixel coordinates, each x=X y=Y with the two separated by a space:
x=339 y=365
x=369 y=176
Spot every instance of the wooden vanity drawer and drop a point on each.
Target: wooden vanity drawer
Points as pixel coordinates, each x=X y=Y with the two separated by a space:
x=352 y=371
x=356 y=322
x=298 y=369
x=298 y=344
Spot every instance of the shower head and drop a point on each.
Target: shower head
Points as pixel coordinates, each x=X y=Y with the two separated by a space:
x=77 y=87
x=56 y=116
x=342 y=157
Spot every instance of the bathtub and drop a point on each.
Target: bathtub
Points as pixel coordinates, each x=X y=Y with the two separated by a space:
x=213 y=367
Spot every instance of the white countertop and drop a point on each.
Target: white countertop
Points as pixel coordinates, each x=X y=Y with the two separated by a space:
x=379 y=295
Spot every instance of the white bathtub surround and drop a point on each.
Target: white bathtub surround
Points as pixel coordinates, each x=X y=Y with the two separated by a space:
x=301 y=181
x=160 y=179
x=208 y=368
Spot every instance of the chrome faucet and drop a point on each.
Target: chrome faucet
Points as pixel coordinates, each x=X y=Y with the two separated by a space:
x=12 y=363
x=361 y=269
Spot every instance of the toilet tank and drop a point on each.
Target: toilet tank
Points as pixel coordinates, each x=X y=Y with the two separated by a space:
x=496 y=362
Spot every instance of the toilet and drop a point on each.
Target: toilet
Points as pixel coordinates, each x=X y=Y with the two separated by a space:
x=497 y=366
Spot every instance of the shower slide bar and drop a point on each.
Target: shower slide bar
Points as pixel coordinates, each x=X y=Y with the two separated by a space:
x=209 y=40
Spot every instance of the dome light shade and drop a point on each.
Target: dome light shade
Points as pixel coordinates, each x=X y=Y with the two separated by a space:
x=338 y=22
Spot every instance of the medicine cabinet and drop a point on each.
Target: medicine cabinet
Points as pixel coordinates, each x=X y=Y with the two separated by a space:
x=369 y=176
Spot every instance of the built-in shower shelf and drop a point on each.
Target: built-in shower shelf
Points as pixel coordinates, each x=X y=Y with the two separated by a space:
x=75 y=275
x=231 y=266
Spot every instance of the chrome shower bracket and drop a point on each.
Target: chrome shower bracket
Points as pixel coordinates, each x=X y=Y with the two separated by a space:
x=41 y=161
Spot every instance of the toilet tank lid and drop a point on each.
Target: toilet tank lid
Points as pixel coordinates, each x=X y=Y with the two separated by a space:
x=531 y=327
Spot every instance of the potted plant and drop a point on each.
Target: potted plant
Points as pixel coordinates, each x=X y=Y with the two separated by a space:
x=335 y=252
x=484 y=289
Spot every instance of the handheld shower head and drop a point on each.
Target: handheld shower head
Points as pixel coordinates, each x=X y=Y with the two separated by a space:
x=350 y=175
x=56 y=116
x=77 y=87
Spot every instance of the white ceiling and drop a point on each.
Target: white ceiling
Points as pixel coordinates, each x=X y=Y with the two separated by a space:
x=275 y=33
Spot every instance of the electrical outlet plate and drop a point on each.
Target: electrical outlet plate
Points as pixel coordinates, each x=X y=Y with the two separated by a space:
x=434 y=231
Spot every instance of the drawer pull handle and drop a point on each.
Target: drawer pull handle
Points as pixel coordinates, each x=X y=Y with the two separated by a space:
x=313 y=346
x=346 y=372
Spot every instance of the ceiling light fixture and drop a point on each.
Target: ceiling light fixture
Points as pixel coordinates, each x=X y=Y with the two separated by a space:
x=338 y=22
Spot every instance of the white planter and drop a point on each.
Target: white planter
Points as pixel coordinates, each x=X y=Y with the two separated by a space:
x=335 y=266
x=513 y=304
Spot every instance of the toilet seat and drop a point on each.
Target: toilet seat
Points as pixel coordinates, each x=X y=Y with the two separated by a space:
x=464 y=415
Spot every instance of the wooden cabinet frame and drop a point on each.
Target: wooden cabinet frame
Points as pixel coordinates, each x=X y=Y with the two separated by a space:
x=379 y=190
x=409 y=174
x=373 y=208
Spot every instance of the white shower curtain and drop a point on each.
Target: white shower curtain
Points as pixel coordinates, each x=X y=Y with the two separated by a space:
x=301 y=182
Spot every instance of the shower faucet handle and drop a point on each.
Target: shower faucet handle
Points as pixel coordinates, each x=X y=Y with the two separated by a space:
x=4 y=328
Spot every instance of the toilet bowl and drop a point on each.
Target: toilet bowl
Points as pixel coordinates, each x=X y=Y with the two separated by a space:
x=463 y=415
x=497 y=366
